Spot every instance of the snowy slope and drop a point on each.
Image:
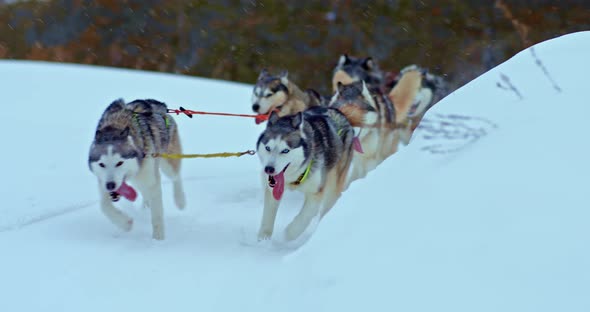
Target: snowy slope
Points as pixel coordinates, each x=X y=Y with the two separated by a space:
x=499 y=225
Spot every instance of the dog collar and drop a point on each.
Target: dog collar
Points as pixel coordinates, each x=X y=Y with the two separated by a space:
x=304 y=175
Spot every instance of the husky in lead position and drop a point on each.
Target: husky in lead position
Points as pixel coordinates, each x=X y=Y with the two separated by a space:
x=126 y=137
x=310 y=152
x=281 y=94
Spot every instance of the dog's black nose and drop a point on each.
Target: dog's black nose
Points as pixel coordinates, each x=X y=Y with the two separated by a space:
x=255 y=107
x=269 y=170
x=111 y=186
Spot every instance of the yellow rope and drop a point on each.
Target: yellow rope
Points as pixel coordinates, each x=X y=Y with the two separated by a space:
x=304 y=175
x=213 y=155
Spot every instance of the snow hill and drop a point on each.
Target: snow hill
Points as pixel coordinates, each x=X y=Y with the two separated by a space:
x=483 y=214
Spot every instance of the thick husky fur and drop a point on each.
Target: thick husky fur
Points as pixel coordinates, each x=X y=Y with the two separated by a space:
x=315 y=145
x=281 y=94
x=350 y=69
x=413 y=92
x=126 y=137
x=374 y=115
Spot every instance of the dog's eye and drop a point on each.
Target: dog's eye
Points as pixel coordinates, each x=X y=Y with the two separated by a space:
x=267 y=149
x=101 y=165
x=268 y=95
x=285 y=151
x=119 y=164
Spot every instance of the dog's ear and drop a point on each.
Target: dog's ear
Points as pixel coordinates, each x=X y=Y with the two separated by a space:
x=115 y=106
x=368 y=63
x=297 y=120
x=119 y=102
x=273 y=118
x=334 y=97
x=263 y=73
x=125 y=132
x=284 y=75
x=343 y=60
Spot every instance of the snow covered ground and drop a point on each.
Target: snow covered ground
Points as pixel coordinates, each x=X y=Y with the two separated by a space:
x=501 y=224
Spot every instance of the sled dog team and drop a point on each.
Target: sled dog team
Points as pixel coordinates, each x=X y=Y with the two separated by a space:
x=313 y=144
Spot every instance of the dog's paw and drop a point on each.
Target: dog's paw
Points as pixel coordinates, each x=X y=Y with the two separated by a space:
x=158 y=235
x=292 y=232
x=125 y=224
x=158 y=232
x=179 y=196
x=264 y=235
x=180 y=200
x=128 y=225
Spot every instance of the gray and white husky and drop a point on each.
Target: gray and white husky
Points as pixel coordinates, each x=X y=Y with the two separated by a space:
x=310 y=152
x=278 y=92
x=126 y=137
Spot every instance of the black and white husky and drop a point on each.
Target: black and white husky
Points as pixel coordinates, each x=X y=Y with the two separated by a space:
x=310 y=152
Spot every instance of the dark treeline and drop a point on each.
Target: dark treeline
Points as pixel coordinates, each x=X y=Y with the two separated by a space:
x=233 y=40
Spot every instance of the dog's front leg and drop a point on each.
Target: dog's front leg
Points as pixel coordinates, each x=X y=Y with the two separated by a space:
x=390 y=144
x=116 y=216
x=157 y=209
x=311 y=208
x=149 y=184
x=357 y=169
x=405 y=134
x=269 y=215
x=395 y=138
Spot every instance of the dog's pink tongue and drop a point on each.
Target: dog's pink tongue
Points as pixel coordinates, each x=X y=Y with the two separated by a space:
x=279 y=188
x=127 y=191
x=356 y=144
x=260 y=119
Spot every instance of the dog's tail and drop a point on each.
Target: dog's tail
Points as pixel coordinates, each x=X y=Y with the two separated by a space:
x=404 y=93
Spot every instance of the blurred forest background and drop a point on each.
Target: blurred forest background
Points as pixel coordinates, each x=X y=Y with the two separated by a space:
x=234 y=39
